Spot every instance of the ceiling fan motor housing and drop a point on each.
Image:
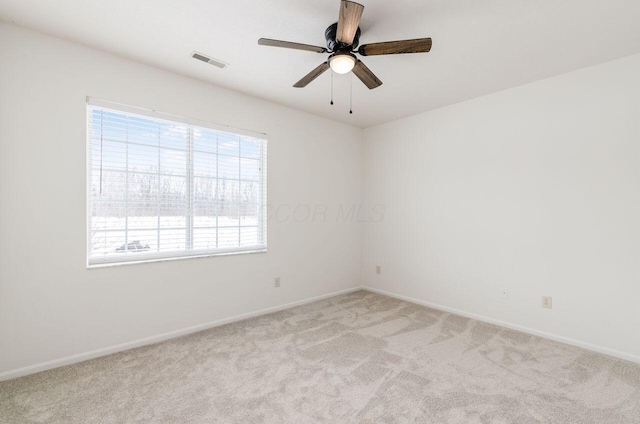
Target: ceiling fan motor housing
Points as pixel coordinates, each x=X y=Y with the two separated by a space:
x=334 y=45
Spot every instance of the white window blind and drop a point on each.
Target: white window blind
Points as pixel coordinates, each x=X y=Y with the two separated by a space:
x=167 y=187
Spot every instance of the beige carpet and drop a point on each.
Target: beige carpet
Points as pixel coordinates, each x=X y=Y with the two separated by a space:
x=357 y=358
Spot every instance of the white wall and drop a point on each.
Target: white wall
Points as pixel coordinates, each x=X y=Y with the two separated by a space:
x=535 y=189
x=51 y=306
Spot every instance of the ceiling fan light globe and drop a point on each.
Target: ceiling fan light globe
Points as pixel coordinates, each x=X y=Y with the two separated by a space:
x=342 y=63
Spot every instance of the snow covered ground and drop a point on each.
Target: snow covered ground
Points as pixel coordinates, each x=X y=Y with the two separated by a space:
x=169 y=233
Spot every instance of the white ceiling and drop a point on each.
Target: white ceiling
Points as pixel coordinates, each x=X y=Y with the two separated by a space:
x=479 y=46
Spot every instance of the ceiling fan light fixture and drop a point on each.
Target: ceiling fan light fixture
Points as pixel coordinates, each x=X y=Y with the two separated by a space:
x=342 y=63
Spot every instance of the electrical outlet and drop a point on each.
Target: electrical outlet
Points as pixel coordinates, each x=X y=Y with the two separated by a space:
x=546 y=302
x=378 y=269
x=276 y=282
x=505 y=293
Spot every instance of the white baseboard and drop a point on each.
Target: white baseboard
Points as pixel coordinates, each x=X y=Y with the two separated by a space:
x=68 y=360
x=573 y=342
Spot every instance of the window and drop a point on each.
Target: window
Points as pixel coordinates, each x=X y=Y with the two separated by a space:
x=165 y=187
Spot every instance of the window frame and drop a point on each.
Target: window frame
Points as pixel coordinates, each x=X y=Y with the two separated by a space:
x=144 y=257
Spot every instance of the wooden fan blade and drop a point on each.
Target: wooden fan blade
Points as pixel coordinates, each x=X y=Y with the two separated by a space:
x=366 y=76
x=419 y=45
x=290 y=45
x=312 y=75
x=348 y=21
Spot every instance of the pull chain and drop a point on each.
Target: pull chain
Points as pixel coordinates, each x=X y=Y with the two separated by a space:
x=332 y=88
x=351 y=93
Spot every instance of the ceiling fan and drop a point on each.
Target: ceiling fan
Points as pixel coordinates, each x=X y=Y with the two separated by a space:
x=342 y=41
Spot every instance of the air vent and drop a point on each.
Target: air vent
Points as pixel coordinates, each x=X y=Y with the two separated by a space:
x=211 y=61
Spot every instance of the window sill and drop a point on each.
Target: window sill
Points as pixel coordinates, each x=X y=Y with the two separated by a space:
x=145 y=260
